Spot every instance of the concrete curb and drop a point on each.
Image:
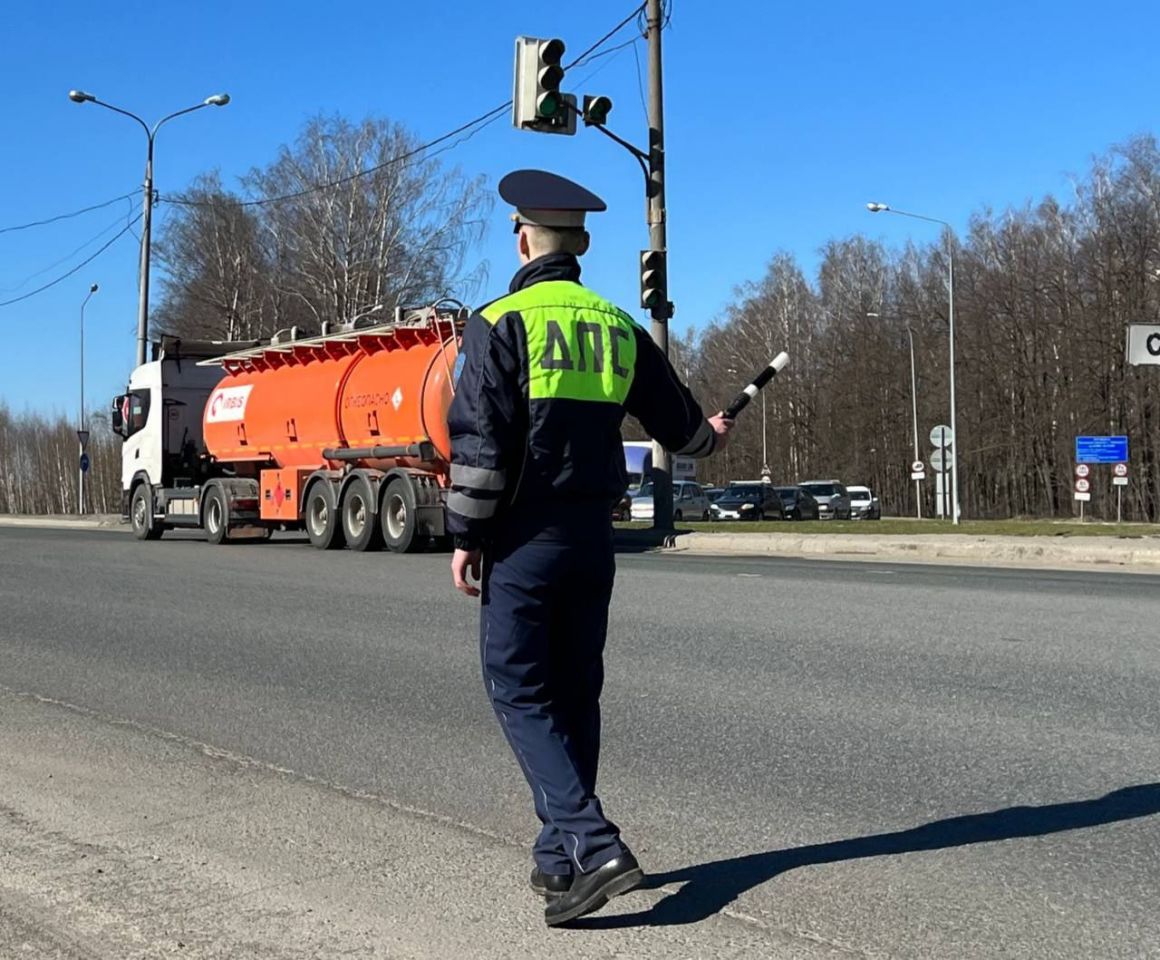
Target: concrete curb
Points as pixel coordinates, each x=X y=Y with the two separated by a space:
x=1121 y=552
x=100 y=521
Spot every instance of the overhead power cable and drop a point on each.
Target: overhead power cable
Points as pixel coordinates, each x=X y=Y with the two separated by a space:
x=84 y=263
x=481 y=121
x=67 y=216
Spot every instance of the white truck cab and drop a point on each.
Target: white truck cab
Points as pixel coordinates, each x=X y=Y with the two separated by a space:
x=159 y=417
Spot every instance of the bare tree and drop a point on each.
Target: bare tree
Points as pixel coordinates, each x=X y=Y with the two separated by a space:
x=390 y=227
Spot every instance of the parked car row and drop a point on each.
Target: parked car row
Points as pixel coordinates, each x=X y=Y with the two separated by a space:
x=756 y=500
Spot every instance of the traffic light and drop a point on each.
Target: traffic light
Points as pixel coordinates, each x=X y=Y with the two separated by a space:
x=653 y=287
x=596 y=110
x=537 y=103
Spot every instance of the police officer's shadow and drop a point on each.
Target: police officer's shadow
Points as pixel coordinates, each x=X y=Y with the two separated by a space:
x=710 y=887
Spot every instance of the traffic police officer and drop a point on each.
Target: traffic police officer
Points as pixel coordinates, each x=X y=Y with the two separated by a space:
x=544 y=378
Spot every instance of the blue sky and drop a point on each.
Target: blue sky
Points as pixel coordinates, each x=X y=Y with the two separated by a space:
x=783 y=120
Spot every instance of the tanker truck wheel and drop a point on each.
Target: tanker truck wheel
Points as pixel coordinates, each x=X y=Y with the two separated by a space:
x=216 y=515
x=145 y=527
x=360 y=521
x=323 y=524
x=398 y=516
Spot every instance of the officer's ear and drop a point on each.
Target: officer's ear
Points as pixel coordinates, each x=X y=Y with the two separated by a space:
x=583 y=246
x=522 y=247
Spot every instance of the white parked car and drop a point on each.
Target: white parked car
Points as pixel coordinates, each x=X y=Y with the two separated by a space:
x=689 y=502
x=863 y=504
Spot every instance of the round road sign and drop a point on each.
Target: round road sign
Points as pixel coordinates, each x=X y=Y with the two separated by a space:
x=1082 y=485
x=918 y=467
x=941 y=436
x=1120 y=469
x=1082 y=469
x=940 y=460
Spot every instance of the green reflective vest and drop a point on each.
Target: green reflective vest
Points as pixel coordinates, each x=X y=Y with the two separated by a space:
x=580 y=346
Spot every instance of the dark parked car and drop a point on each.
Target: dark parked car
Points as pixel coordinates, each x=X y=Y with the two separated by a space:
x=797 y=504
x=747 y=501
x=833 y=499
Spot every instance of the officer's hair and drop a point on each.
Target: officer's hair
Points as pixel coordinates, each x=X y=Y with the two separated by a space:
x=544 y=240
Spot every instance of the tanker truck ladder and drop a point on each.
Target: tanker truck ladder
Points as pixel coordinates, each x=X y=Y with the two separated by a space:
x=411 y=327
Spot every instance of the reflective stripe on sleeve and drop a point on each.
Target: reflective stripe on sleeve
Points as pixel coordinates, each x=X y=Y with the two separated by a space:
x=702 y=443
x=477 y=478
x=471 y=507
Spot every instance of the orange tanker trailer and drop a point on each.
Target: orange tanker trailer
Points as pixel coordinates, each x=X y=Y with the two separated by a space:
x=343 y=434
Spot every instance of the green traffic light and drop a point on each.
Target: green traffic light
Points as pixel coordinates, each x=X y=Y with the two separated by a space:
x=548 y=105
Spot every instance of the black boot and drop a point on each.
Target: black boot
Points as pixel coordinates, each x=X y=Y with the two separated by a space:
x=549 y=885
x=591 y=891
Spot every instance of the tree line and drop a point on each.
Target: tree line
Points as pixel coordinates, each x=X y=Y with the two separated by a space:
x=39 y=461
x=1043 y=298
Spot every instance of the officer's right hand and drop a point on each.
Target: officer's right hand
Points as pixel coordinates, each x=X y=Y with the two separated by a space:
x=721 y=426
x=464 y=562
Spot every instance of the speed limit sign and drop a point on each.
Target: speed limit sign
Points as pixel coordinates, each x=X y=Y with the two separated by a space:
x=1082 y=485
x=1082 y=469
x=1120 y=469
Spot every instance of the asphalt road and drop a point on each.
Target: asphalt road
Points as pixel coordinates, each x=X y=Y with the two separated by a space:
x=281 y=753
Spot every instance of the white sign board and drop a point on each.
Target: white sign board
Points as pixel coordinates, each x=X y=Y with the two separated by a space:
x=1143 y=344
x=1120 y=481
x=227 y=404
x=1082 y=496
x=917 y=476
x=940 y=460
x=941 y=435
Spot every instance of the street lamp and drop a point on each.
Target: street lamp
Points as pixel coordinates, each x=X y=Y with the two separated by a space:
x=765 y=471
x=217 y=100
x=914 y=412
x=886 y=208
x=82 y=430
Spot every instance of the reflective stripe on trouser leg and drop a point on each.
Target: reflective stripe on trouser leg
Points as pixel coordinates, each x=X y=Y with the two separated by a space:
x=523 y=586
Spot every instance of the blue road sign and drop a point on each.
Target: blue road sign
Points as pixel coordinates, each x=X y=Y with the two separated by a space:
x=84 y=463
x=1101 y=449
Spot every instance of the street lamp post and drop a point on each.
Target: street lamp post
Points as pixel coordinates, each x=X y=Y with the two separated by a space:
x=764 y=446
x=82 y=430
x=954 y=447
x=217 y=100
x=914 y=413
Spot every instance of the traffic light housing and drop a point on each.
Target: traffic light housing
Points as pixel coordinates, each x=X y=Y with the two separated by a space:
x=653 y=283
x=596 y=110
x=537 y=103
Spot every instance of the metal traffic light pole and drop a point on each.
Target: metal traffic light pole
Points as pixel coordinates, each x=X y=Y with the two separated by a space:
x=657 y=240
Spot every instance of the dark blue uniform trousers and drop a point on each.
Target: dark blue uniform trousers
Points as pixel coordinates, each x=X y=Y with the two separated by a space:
x=542 y=630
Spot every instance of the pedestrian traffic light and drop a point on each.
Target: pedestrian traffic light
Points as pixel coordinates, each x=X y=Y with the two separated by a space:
x=537 y=103
x=653 y=288
x=596 y=110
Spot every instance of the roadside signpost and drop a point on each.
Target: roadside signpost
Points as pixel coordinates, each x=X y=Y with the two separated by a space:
x=1101 y=449
x=918 y=470
x=1091 y=451
x=941 y=438
x=1143 y=344
x=1120 y=480
x=1082 y=487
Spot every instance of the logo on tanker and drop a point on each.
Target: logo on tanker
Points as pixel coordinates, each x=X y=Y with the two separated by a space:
x=227 y=403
